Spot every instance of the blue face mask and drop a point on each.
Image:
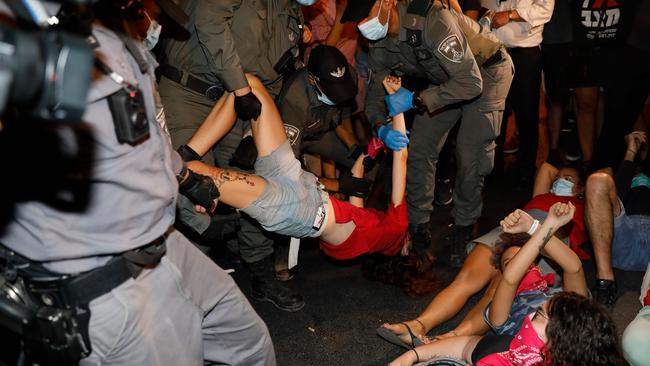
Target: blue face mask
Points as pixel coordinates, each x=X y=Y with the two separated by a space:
x=153 y=33
x=373 y=29
x=322 y=97
x=562 y=187
x=306 y=2
x=640 y=180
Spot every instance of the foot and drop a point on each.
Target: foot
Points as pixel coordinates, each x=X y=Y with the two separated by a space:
x=400 y=330
x=420 y=237
x=444 y=192
x=605 y=293
x=459 y=237
x=277 y=293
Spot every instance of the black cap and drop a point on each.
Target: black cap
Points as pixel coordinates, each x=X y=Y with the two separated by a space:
x=173 y=11
x=332 y=72
x=357 y=10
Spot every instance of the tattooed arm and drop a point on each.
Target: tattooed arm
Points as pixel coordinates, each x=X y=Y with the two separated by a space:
x=238 y=189
x=541 y=240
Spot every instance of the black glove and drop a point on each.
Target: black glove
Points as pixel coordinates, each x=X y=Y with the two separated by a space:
x=245 y=155
x=352 y=186
x=200 y=189
x=357 y=150
x=187 y=153
x=248 y=107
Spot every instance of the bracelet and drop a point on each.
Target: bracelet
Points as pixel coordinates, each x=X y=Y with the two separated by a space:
x=416 y=354
x=533 y=227
x=634 y=152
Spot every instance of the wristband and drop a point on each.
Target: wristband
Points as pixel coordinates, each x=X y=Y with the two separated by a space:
x=533 y=227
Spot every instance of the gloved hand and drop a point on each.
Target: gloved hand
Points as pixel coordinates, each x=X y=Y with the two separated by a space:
x=395 y=140
x=352 y=186
x=357 y=150
x=245 y=155
x=247 y=106
x=187 y=153
x=399 y=102
x=200 y=189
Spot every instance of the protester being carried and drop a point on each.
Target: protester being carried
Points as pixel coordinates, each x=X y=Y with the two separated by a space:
x=285 y=199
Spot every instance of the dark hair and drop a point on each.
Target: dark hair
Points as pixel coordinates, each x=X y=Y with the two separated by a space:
x=413 y=273
x=507 y=241
x=580 y=332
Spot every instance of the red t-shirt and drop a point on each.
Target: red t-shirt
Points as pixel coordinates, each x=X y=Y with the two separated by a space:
x=375 y=231
x=576 y=227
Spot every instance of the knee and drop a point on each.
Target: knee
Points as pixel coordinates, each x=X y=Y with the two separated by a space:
x=599 y=185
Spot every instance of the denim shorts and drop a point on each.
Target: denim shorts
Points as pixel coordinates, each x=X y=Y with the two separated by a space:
x=631 y=244
x=292 y=203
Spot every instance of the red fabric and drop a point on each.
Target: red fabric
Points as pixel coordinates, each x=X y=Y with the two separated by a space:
x=374 y=147
x=577 y=235
x=646 y=299
x=533 y=280
x=525 y=349
x=375 y=231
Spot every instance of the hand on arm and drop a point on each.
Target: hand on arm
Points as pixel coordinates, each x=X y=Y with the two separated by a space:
x=634 y=141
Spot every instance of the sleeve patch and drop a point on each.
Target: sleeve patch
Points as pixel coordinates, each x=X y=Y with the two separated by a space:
x=292 y=133
x=452 y=49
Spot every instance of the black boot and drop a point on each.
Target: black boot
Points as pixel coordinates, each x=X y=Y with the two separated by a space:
x=420 y=237
x=605 y=293
x=267 y=288
x=459 y=237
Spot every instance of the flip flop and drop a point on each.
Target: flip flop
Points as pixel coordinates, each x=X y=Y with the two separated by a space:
x=393 y=338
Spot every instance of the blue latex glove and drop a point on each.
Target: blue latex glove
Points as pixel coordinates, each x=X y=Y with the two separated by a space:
x=395 y=140
x=400 y=101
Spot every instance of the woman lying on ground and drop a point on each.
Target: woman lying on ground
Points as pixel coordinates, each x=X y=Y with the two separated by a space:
x=285 y=199
x=567 y=329
x=551 y=185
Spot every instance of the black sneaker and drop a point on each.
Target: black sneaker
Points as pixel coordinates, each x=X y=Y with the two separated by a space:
x=443 y=192
x=420 y=237
x=458 y=238
x=605 y=293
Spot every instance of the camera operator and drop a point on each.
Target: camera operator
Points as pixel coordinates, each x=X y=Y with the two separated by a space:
x=134 y=290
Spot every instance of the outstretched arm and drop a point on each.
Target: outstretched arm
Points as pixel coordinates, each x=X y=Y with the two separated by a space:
x=393 y=84
x=542 y=240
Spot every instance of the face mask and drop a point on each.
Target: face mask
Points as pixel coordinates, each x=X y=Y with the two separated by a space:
x=322 y=97
x=153 y=33
x=562 y=187
x=640 y=180
x=373 y=29
x=306 y=2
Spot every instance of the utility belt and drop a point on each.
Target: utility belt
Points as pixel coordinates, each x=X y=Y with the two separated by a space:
x=495 y=59
x=210 y=91
x=50 y=311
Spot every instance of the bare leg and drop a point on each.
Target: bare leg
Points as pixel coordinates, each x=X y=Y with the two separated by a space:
x=601 y=207
x=268 y=129
x=455 y=347
x=473 y=276
x=216 y=125
x=473 y=323
x=587 y=103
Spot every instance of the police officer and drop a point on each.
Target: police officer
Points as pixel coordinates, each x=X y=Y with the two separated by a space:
x=226 y=39
x=112 y=255
x=430 y=46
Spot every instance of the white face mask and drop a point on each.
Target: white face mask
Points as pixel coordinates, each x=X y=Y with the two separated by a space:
x=306 y=2
x=153 y=33
x=373 y=29
x=562 y=187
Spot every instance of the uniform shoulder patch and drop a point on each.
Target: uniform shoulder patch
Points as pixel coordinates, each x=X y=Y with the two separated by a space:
x=452 y=49
x=292 y=133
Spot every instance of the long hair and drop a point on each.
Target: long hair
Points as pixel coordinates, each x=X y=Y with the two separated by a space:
x=506 y=241
x=413 y=273
x=580 y=332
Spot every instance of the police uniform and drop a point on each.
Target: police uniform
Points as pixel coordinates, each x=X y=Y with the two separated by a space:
x=442 y=58
x=227 y=38
x=169 y=313
x=310 y=124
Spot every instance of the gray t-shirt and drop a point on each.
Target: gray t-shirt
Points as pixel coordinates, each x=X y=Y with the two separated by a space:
x=132 y=189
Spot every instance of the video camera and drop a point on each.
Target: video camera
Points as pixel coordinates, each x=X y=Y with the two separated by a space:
x=44 y=72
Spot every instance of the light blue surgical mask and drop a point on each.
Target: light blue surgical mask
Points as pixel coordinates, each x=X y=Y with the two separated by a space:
x=153 y=33
x=562 y=187
x=322 y=97
x=640 y=180
x=306 y=2
x=373 y=29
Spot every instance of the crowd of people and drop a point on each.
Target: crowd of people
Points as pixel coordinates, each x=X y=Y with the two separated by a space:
x=279 y=119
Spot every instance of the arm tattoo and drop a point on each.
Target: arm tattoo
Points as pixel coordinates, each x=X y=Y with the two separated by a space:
x=229 y=176
x=546 y=239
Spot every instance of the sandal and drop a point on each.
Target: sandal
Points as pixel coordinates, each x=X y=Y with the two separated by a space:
x=393 y=338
